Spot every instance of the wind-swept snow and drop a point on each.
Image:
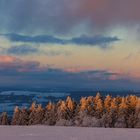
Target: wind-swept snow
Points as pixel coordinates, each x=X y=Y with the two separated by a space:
x=66 y=133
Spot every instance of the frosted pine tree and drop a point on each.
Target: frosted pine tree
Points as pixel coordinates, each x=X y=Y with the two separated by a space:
x=110 y=117
x=98 y=106
x=50 y=114
x=132 y=102
x=122 y=114
x=16 y=116
x=37 y=115
x=71 y=108
x=63 y=114
x=107 y=103
x=137 y=114
x=62 y=111
x=4 y=119
x=81 y=111
x=24 y=117
x=33 y=106
x=99 y=109
x=90 y=101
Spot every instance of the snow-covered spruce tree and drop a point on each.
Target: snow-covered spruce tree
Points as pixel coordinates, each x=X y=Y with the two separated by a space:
x=71 y=107
x=84 y=116
x=122 y=114
x=63 y=114
x=20 y=117
x=107 y=103
x=90 y=102
x=62 y=111
x=32 y=113
x=39 y=115
x=106 y=115
x=98 y=106
x=132 y=118
x=4 y=119
x=113 y=112
x=36 y=115
x=137 y=114
x=50 y=114
x=81 y=111
x=87 y=105
x=16 y=115
x=33 y=107
x=24 y=117
x=110 y=117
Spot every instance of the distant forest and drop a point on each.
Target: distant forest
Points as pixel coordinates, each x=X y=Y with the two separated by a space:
x=98 y=111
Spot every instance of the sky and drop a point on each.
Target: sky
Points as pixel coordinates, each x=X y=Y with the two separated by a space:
x=76 y=44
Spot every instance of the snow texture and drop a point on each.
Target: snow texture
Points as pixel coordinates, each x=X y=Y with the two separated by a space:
x=66 y=133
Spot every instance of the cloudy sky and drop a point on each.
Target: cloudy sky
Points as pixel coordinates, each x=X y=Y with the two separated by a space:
x=89 y=44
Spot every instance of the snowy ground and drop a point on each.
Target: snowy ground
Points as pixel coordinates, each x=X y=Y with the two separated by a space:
x=66 y=133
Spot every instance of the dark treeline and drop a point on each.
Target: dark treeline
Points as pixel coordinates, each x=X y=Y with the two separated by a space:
x=121 y=112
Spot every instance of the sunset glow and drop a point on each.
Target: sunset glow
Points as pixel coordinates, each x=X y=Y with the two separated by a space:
x=82 y=41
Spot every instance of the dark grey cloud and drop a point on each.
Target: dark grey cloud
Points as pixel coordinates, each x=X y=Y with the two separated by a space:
x=31 y=16
x=96 y=40
x=62 y=16
x=82 y=40
x=35 y=39
x=22 y=50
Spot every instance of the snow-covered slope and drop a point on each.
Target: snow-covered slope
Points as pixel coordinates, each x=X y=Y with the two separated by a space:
x=66 y=133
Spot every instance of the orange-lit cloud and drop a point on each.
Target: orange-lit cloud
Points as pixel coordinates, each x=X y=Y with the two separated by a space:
x=7 y=59
x=11 y=63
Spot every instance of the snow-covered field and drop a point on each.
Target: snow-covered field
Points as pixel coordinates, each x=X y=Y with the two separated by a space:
x=66 y=133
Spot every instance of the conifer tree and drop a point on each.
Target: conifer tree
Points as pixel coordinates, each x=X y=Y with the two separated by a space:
x=91 y=111
x=107 y=103
x=37 y=114
x=83 y=104
x=33 y=106
x=90 y=101
x=24 y=117
x=50 y=114
x=16 y=116
x=71 y=108
x=81 y=111
x=64 y=114
x=4 y=119
x=110 y=117
x=98 y=106
x=122 y=114
x=137 y=113
x=132 y=102
x=62 y=111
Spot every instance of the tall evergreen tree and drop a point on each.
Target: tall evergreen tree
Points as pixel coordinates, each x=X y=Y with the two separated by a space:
x=24 y=117
x=16 y=116
x=4 y=119
x=137 y=113
x=37 y=115
x=122 y=114
x=50 y=114
x=132 y=119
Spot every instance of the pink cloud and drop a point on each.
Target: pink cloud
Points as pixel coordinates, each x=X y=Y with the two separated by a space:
x=103 y=13
x=7 y=59
x=16 y=64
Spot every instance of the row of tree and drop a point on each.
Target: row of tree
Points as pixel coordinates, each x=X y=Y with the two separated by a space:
x=121 y=112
